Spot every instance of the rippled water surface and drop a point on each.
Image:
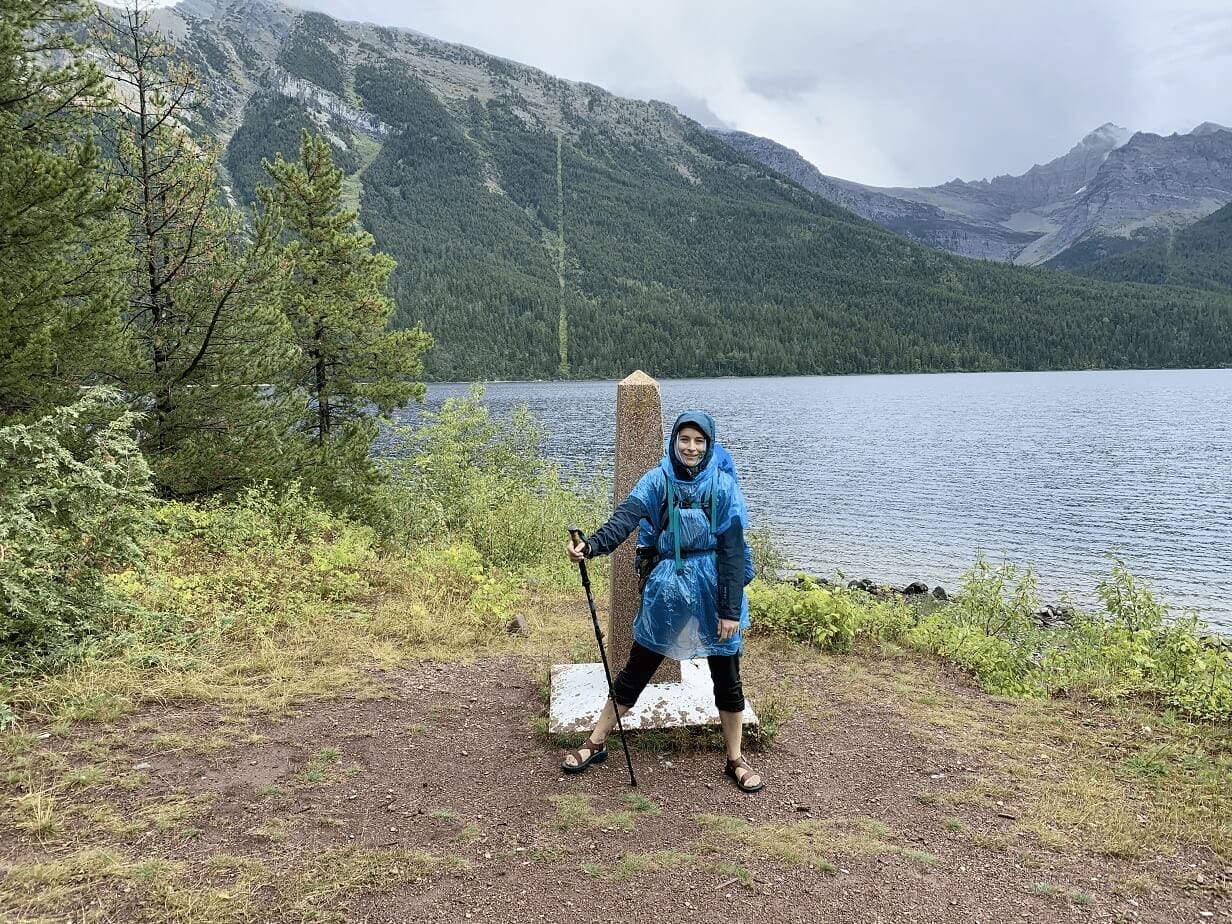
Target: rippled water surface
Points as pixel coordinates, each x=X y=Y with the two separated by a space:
x=908 y=476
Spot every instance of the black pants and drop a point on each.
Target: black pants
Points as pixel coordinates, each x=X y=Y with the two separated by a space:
x=642 y=663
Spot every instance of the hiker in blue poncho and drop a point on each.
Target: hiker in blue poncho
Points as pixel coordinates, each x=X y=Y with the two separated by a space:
x=693 y=602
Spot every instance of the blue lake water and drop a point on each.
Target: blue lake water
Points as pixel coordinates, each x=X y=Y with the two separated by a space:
x=903 y=477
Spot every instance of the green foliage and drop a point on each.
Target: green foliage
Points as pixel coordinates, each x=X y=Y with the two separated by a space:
x=273 y=125
x=768 y=559
x=72 y=488
x=249 y=566
x=1134 y=648
x=271 y=574
x=996 y=662
x=60 y=271
x=462 y=477
x=203 y=317
x=828 y=618
x=990 y=629
x=813 y=615
x=350 y=366
x=1130 y=648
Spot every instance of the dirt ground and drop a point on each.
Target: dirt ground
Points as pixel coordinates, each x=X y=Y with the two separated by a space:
x=437 y=799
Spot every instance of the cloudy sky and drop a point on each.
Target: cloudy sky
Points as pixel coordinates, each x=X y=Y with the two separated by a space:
x=888 y=92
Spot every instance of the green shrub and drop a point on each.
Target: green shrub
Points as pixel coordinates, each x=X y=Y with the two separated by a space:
x=462 y=477
x=999 y=665
x=1000 y=601
x=824 y=617
x=989 y=629
x=1134 y=648
x=265 y=514
x=73 y=486
x=768 y=559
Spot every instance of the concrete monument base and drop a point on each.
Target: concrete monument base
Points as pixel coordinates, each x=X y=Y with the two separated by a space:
x=580 y=690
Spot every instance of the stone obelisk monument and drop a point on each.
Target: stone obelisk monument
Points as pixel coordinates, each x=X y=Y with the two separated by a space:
x=639 y=446
x=679 y=693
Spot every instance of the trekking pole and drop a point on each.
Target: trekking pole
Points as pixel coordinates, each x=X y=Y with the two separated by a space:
x=576 y=535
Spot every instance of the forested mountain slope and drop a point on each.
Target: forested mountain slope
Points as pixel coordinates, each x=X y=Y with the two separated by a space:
x=1199 y=257
x=544 y=227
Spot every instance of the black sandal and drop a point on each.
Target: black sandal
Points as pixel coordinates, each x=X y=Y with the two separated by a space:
x=738 y=778
x=598 y=754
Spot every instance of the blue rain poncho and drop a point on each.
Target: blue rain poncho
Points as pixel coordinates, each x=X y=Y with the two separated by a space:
x=683 y=596
x=648 y=534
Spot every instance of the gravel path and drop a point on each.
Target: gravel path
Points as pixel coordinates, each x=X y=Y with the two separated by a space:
x=856 y=824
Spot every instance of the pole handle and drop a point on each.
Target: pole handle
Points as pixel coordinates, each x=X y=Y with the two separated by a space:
x=576 y=535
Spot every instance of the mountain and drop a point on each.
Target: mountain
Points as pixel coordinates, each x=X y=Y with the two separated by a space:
x=928 y=223
x=1199 y=257
x=1111 y=192
x=546 y=227
x=1150 y=186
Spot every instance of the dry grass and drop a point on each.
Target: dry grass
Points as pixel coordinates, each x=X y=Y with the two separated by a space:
x=172 y=811
x=1120 y=780
x=234 y=889
x=35 y=811
x=812 y=842
x=635 y=864
x=575 y=811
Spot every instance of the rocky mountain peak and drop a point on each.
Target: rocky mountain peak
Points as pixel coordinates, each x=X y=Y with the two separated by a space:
x=1209 y=128
x=1106 y=137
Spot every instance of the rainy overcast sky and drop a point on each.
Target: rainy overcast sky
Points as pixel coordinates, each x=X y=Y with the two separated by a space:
x=887 y=92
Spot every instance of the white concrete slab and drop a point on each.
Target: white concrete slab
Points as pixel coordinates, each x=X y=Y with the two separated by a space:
x=580 y=690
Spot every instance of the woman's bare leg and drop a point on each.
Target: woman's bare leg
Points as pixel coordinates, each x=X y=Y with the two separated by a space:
x=603 y=728
x=733 y=736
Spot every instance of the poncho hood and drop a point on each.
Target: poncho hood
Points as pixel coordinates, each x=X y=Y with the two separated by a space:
x=702 y=421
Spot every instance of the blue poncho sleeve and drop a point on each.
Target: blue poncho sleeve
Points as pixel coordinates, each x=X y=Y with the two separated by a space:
x=641 y=506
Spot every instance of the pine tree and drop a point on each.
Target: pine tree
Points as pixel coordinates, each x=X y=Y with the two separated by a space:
x=203 y=312
x=352 y=365
x=60 y=271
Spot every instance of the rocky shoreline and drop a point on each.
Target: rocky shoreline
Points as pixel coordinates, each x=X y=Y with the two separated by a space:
x=1049 y=616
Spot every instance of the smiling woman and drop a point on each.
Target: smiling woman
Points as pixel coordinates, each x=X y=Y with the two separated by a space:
x=693 y=602
x=690 y=445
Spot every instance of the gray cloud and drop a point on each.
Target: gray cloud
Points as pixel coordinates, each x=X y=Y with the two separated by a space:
x=890 y=92
x=699 y=110
x=778 y=86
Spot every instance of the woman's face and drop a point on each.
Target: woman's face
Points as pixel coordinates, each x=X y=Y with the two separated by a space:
x=690 y=445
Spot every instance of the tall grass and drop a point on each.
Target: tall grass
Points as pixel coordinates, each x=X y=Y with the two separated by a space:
x=268 y=596
x=1132 y=646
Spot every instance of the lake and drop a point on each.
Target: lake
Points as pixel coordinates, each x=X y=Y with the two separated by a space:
x=904 y=477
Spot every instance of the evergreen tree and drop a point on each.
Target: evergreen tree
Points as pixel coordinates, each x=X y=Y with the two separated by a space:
x=60 y=272
x=203 y=311
x=351 y=366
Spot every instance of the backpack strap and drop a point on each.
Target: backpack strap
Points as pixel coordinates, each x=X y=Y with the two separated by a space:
x=673 y=522
x=672 y=514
